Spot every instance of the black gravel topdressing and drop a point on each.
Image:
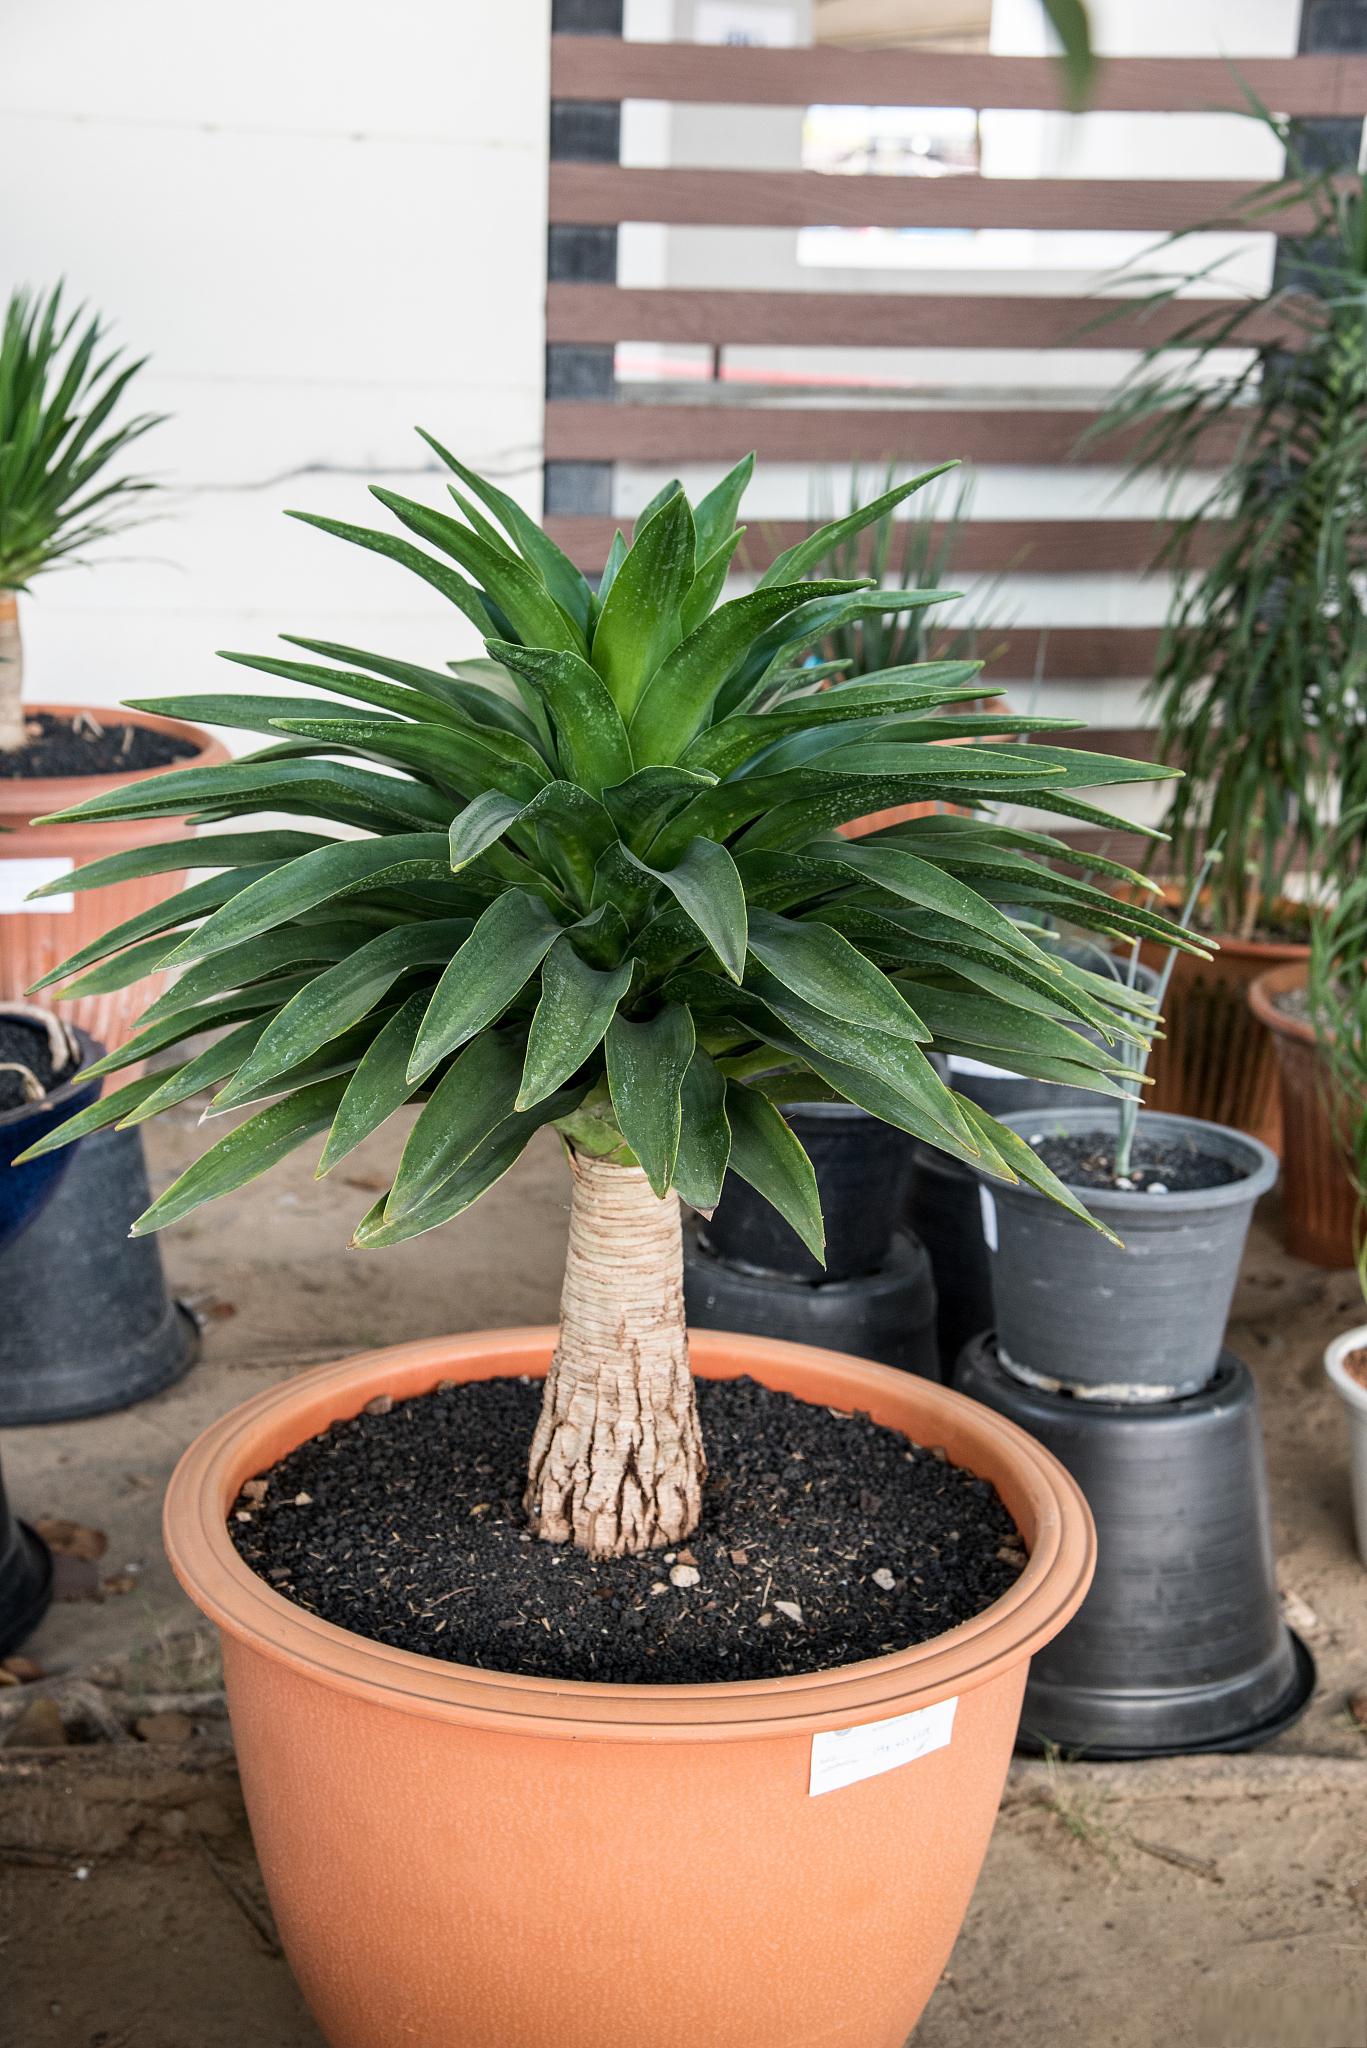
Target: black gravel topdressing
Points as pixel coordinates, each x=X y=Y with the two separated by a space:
x=1175 y=1166
x=25 y=1045
x=98 y=745
x=825 y=1539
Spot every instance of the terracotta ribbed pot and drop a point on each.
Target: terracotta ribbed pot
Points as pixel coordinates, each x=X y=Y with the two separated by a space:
x=1215 y=1061
x=34 y=939
x=1319 y=1205
x=458 y=1858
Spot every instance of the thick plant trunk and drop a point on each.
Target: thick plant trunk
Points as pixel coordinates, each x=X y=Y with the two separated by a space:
x=11 y=673
x=617 y=1461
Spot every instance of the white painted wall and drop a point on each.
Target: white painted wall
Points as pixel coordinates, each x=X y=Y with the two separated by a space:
x=326 y=221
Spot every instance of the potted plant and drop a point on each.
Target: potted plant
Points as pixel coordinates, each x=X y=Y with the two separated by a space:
x=596 y=886
x=1118 y=1365
x=1261 y=680
x=1144 y=1320
x=1338 y=1005
x=1319 y=1200
x=61 y=491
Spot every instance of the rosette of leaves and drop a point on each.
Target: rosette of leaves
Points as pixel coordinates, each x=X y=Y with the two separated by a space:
x=60 y=391
x=593 y=881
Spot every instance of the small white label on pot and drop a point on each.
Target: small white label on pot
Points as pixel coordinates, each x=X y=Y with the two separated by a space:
x=848 y=1754
x=17 y=877
x=989 y=1209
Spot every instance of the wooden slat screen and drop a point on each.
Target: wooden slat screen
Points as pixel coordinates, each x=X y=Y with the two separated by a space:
x=593 y=422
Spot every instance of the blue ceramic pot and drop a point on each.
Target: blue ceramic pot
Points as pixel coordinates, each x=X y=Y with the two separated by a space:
x=25 y=1189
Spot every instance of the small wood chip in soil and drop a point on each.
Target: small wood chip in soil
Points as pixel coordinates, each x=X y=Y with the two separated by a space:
x=778 y=1578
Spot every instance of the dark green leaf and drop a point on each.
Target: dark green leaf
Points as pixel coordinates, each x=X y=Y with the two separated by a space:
x=765 y=1153
x=646 y=1063
x=244 y=1153
x=339 y=997
x=576 y=1007
x=640 y=619
x=493 y=966
x=380 y=1084
x=704 y=1135
x=825 y=970
x=588 y=725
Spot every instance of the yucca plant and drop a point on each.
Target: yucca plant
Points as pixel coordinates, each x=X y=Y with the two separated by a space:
x=1261 y=680
x=58 y=392
x=593 y=883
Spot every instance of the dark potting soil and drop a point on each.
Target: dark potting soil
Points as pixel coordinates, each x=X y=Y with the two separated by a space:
x=1175 y=1165
x=25 y=1045
x=1355 y=1365
x=824 y=1539
x=97 y=745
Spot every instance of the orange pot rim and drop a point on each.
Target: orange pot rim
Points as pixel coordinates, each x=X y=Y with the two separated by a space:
x=1263 y=992
x=1060 y=1535
x=32 y=796
x=1286 y=951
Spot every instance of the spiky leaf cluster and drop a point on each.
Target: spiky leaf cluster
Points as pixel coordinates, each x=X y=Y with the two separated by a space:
x=595 y=880
x=58 y=394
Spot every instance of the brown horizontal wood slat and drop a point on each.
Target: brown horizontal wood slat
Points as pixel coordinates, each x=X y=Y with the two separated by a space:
x=598 y=431
x=1071 y=654
x=606 y=194
x=603 y=68
x=900 y=319
x=1072 y=547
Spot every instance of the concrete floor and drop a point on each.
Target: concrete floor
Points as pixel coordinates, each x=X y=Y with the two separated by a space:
x=1210 y=1902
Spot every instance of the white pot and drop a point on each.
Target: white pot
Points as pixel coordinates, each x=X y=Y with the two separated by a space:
x=1354 y=1396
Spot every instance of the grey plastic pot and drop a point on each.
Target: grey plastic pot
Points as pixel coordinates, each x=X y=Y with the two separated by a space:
x=1145 y=1323
x=88 y=1325
x=887 y=1315
x=1179 y=1646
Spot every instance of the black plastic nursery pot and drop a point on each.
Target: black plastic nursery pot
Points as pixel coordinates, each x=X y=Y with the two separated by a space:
x=861 y=1168
x=25 y=1577
x=887 y=1315
x=1179 y=1646
x=88 y=1325
x=1143 y=1323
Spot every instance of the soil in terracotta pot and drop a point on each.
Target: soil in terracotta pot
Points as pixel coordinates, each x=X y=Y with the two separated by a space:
x=825 y=1539
x=25 y=1045
x=1293 y=1003
x=1170 y=1166
x=94 y=745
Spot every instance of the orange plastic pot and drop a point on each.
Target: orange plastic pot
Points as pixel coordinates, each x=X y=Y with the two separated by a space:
x=37 y=937
x=459 y=1858
x=1214 y=1060
x=1319 y=1205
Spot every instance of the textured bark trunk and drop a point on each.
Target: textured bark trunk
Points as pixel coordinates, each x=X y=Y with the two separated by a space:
x=617 y=1462
x=11 y=673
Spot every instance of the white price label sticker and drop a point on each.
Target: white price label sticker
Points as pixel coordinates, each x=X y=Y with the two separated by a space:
x=846 y=1755
x=989 y=1209
x=17 y=877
